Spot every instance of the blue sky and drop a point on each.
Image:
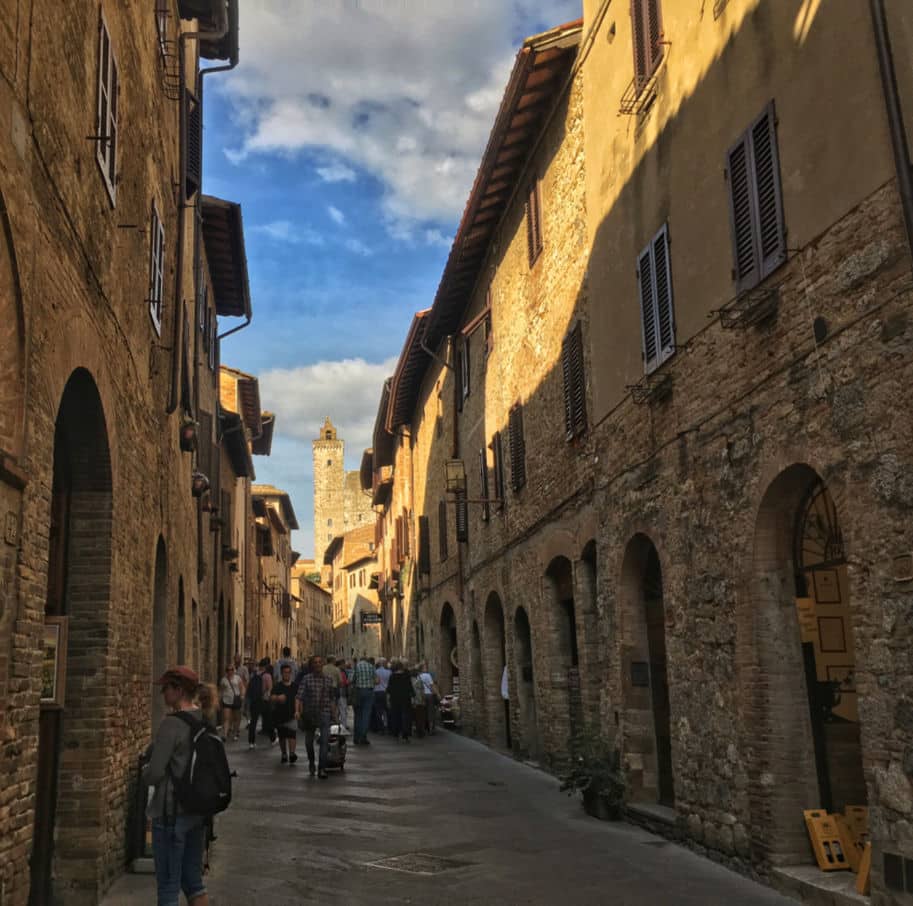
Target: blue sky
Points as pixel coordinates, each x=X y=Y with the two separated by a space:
x=350 y=133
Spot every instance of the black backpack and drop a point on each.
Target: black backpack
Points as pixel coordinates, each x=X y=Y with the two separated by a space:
x=205 y=788
x=255 y=687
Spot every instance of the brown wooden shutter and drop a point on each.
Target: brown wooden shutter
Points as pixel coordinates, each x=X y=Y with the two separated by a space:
x=756 y=202
x=407 y=536
x=442 y=528
x=498 y=456
x=194 y=149
x=654 y=277
x=572 y=368
x=462 y=518
x=424 y=546
x=533 y=223
x=483 y=484
x=458 y=376
x=400 y=556
x=647 y=30
x=517 y=448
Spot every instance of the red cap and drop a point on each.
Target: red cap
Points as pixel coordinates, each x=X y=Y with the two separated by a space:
x=182 y=675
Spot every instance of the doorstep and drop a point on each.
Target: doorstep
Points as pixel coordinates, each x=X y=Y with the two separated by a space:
x=652 y=812
x=809 y=884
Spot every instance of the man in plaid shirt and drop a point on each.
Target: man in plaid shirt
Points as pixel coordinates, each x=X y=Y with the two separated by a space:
x=315 y=706
x=364 y=681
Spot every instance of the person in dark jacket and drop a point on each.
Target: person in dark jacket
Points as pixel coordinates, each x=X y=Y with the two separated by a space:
x=178 y=839
x=399 y=695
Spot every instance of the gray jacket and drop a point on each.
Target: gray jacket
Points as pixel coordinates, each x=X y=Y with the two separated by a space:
x=170 y=749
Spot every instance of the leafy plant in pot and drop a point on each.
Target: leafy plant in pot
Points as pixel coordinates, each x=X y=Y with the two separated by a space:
x=594 y=771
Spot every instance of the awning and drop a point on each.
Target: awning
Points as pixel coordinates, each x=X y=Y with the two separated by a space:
x=223 y=237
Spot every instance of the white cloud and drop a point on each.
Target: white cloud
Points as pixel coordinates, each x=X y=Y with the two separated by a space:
x=405 y=91
x=286 y=231
x=357 y=247
x=436 y=237
x=336 y=172
x=347 y=390
x=336 y=215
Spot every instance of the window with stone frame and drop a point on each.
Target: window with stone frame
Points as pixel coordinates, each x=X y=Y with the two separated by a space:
x=533 y=214
x=647 y=33
x=463 y=366
x=156 y=269
x=106 y=111
x=657 y=317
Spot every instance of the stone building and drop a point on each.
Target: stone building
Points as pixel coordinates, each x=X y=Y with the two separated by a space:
x=675 y=327
x=339 y=503
x=314 y=605
x=357 y=618
x=274 y=521
x=113 y=286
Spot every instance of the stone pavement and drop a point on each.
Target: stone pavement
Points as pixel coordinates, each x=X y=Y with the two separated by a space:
x=511 y=836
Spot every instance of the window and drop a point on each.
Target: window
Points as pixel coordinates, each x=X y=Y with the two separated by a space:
x=517 y=448
x=497 y=453
x=756 y=202
x=193 y=151
x=533 y=223
x=654 y=277
x=489 y=337
x=329 y=522
x=329 y=462
x=483 y=485
x=161 y=26
x=106 y=118
x=213 y=348
x=156 y=269
x=573 y=372
x=462 y=518
x=442 y=528
x=647 y=31
x=424 y=546
x=463 y=364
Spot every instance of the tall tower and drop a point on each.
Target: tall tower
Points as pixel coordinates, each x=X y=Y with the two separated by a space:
x=329 y=488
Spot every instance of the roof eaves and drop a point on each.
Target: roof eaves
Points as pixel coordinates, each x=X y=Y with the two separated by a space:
x=223 y=237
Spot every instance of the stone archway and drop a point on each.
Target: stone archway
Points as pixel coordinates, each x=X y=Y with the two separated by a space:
x=70 y=827
x=159 y=627
x=494 y=659
x=647 y=743
x=563 y=657
x=448 y=671
x=530 y=741
x=477 y=681
x=796 y=649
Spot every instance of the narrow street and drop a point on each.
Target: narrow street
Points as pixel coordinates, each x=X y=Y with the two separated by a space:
x=502 y=831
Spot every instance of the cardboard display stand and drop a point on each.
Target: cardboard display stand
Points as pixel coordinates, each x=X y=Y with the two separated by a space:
x=829 y=847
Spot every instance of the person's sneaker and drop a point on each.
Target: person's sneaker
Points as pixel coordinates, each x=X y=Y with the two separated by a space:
x=322 y=774
x=292 y=758
x=284 y=759
x=251 y=746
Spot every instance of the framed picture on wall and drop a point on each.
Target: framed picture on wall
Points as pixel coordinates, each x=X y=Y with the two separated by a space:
x=831 y=635
x=827 y=586
x=54 y=662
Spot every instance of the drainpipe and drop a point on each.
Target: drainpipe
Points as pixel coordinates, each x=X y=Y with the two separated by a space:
x=176 y=340
x=899 y=142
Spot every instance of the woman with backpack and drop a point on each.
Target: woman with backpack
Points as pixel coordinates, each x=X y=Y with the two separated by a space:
x=178 y=837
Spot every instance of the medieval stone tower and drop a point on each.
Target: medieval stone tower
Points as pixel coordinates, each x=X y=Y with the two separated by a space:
x=329 y=488
x=339 y=503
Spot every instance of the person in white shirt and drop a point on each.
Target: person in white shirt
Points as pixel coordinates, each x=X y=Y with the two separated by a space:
x=231 y=695
x=380 y=719
x=432 y=698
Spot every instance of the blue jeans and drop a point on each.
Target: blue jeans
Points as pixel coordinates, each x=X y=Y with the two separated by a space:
x=178 y=851
x=364 y=705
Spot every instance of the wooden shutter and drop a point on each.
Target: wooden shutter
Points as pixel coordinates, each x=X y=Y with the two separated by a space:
x=517 y=448
x=462 y=518
x=458 y=377
x=399 y=541
x=465 y=368
x=533 y=223
x=193 y=161
x=106 y=126
x=483 y=484
x=654 y=276
x=572 y=368
x=646 y=27
x=442 y=528
x=498 y=456
x=756 y=202
x=156 y=270
x=424 y=546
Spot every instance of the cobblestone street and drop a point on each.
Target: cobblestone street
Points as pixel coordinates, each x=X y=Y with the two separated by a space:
x=290 y=839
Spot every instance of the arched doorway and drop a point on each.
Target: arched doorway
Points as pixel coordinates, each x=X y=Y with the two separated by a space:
x=564 y=657
x=494 y=660
x=159 y=628
x=448 y=671
x=69 y=813
x=530 y=743
x=592 y=669
x=182 y=624
x=222 y=632
x=798 y=674
x=477 y=682
x=648 y=755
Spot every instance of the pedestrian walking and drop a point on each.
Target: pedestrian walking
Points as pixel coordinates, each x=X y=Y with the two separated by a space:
x=380 y=721
x=230 y=694
x=282 y=699
x=315 y=708
x=418 y=702
x=364 y=681
x=432 y=698
x=178 y=838
x=255 y=704
x=399 y=702
x=266 y=713
x=285 y=659
x=335 y=670
x=243 y=672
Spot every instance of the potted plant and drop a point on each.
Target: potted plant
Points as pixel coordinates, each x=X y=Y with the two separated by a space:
x=594 y=770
